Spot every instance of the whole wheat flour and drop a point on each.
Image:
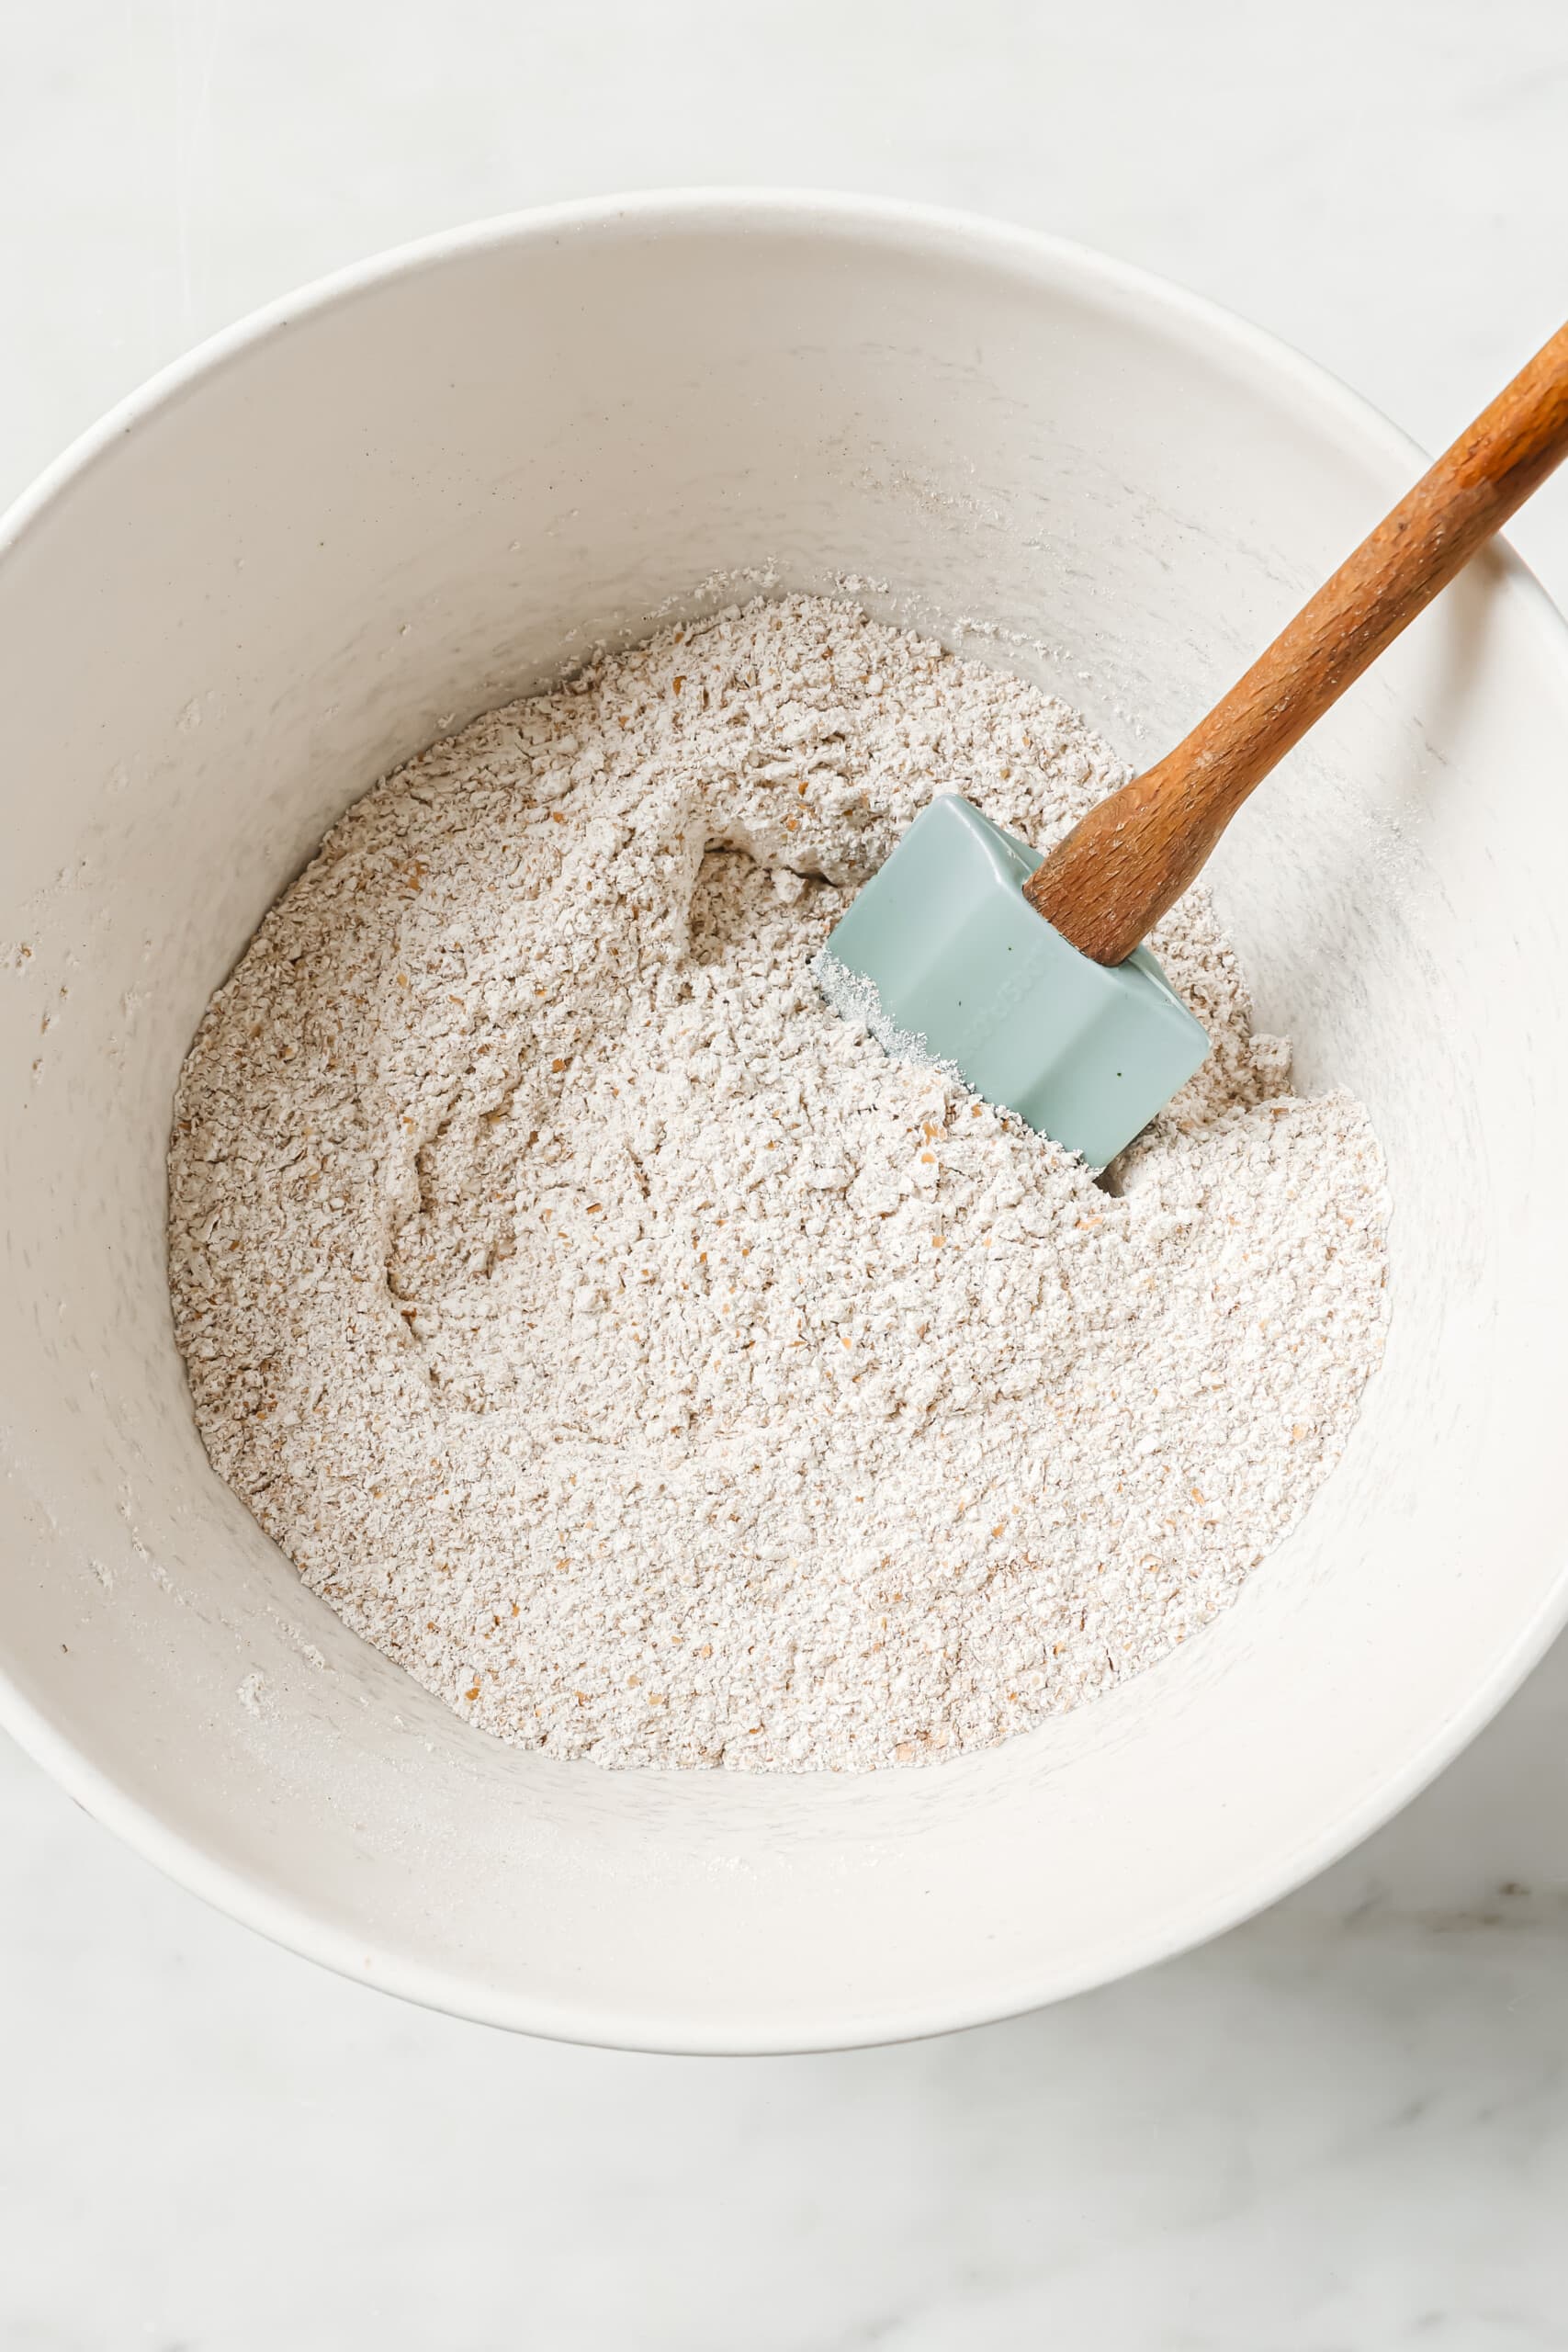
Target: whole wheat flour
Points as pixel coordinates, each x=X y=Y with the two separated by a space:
x=617 y=1339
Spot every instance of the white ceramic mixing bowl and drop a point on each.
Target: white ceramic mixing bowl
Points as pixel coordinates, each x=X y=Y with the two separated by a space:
x=383 y=506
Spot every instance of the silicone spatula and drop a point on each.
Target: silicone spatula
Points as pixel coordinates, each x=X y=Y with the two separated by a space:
x=1026 y=972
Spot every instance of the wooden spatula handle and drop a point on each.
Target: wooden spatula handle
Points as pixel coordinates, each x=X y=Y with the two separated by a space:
x=1114 y=875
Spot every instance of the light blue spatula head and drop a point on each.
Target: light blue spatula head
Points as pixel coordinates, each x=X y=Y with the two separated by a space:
x=964 y=970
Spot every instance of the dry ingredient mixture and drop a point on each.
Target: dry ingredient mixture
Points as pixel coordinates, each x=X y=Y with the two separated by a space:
x=622 y=1343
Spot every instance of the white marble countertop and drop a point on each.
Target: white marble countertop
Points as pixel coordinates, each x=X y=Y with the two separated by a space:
x=1345 y=2126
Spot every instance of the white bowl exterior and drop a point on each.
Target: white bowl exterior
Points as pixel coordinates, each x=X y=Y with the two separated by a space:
x=374 y=513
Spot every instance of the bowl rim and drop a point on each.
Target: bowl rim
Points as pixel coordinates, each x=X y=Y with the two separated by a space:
x=289 y=1920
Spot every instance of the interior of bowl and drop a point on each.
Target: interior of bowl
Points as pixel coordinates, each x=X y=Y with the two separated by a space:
x=421 y=491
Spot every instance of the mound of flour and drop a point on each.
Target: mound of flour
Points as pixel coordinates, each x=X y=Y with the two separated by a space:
x=622 y=1343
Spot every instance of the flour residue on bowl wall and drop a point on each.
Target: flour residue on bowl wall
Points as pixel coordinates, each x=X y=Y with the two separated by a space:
x=624 y=1344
